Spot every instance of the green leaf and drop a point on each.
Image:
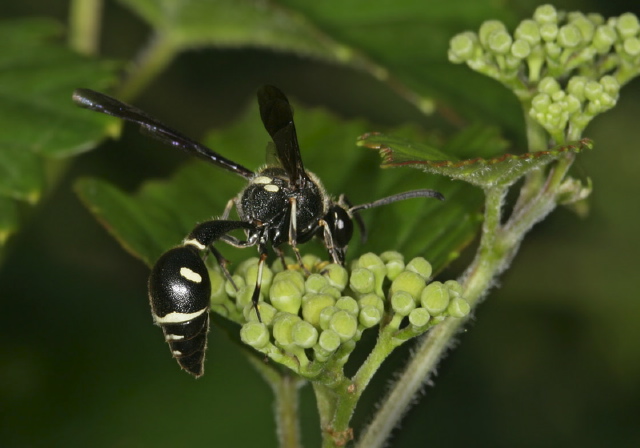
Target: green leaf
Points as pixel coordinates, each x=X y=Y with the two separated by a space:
x=162 y=213
x=38 y=122
x=402 y=43
x=233 y=23
x=502 y=170
x=405 y=43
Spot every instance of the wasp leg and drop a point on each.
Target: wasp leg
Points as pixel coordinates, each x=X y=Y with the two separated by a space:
x=293 y=233
x=255 y=297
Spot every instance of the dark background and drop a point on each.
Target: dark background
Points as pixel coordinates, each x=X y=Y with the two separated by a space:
x=552 y=358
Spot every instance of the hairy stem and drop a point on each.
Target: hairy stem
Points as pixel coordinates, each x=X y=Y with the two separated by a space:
x=285 y=387
x=476 y=282
x=286 y=410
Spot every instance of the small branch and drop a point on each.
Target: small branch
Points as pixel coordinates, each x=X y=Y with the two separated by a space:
x=84 y=26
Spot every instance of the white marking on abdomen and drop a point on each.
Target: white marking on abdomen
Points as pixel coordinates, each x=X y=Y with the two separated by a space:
x=271 y=188
x=173 y=337
x=190 y=275
x=177 y=318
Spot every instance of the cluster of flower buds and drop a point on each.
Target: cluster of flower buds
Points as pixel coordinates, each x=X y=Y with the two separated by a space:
x=570 y=65
x=311 y=319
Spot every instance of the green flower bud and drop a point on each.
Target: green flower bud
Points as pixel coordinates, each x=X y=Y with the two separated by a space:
x=255 y=334
x=389 y=255
x=462 y=47
x=627 y=25
x=336 y=275
x=610 y=85
x=552 y=50
x=349 y=304
x=285 y=296
x=329 y=341
x=520 y=49
x=549 y=32
x=604 y=38
x=402 y=303
x=558 y=97
x=277 y=265
x=419 y=317
x=245 y=296
x=421 y=267
x=315 y=282
x=569 y=36
x=331 y=291
x=576 y=86
x=587 y=27
x=540 y=102
x=435 y=298
x=312 y=306
x=251 y=276
x=344 y=324
x=362 y=281
x=394 y=267
x=372 y=262
x=455 y=288
x=241 y=269
x=410 y=282
x=394 y=261
x=371 y=300
x=500 y=42
x=218 y=293
x=572 y=104
x=595 y=18
x=282 y=328
x=230 y=290
x=592 y=90
x=631 y=46
x=291 y=276
x=458 y=307
x=545 y=14
x=325 y=316
x=267 y=313
x=310 y=261
x=528 y=31
x=488 y=28
x=369 y=316
x=304 y=334
x=375 y=264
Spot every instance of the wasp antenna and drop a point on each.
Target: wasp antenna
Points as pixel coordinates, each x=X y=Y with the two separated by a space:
x=424 y=193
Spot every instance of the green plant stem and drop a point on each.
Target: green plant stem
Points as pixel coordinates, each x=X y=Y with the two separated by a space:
x=537 y=140
x=498 y=245
x=154 y=59
x=286 y=410
x=326 y=402
x=475 y=283
x=84 y=26
x=285 y=387
x=351 y=391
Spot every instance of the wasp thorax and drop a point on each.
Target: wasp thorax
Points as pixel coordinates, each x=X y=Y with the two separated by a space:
x=270 y=195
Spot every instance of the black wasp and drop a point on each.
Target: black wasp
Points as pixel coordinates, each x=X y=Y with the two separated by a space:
x=282 y=203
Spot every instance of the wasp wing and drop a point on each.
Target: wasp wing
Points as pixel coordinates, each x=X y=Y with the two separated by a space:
x=277 y=117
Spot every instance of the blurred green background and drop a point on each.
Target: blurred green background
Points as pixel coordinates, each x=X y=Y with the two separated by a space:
x=552 y=358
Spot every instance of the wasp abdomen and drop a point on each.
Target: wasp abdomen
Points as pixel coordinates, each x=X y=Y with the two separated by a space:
x=179 y=292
